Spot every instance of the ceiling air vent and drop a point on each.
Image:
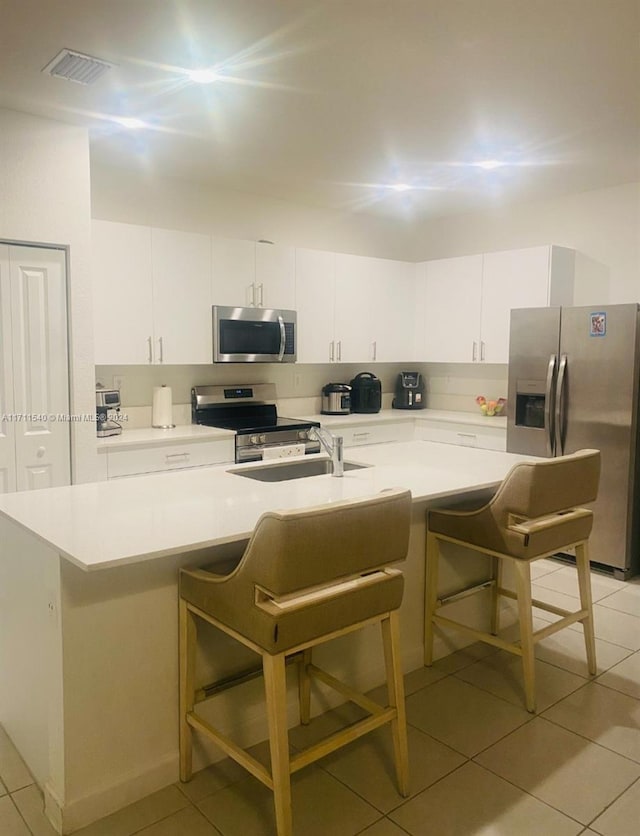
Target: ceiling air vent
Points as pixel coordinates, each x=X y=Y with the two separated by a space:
x=74 y=66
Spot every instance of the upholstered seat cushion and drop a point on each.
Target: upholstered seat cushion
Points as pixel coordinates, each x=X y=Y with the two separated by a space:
x=235 y=606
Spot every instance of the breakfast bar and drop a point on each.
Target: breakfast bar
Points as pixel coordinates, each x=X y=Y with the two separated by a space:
x=88 y=609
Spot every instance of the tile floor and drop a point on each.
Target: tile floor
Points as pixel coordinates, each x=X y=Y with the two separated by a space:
x=480 y=764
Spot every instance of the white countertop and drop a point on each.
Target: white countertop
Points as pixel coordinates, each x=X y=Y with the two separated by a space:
x=151 y=436
x=105 y=524
x=388 y=415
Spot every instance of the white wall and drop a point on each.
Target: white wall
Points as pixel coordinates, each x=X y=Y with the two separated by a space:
x=45 y=199
x=153 y=200
x=603 y=225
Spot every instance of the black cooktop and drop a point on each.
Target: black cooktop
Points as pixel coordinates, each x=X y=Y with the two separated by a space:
x=251 y=424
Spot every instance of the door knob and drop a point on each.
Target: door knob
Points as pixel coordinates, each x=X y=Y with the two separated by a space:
x=40 y=452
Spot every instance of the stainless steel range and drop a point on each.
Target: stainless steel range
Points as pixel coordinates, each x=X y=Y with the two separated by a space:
x=251 y=411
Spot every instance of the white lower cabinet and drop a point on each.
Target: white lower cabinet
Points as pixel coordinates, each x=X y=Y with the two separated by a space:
x=464 y=435
x=357 y=435
x=135 y=461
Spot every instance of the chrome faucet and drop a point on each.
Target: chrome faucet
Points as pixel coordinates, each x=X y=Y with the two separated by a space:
x=333 y=444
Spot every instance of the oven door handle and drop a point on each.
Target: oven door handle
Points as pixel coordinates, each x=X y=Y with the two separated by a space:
x=283 y=339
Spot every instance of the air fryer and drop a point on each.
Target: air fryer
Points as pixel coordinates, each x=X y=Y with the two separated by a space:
x=366 y=393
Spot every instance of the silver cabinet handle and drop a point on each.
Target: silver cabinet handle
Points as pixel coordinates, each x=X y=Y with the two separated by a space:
x=375 y=349
x=331 y=351
x=339 y=349
x=150 y=344
x=548 y=397
x=481 y=349
x=261 y=302
x=172 y=458
x=251 y=295
x=474 y=353
x=161 y=349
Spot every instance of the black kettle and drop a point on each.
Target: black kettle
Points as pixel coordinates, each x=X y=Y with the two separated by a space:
x=366 y=393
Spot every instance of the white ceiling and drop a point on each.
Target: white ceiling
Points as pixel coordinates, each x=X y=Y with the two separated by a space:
x=330 y=102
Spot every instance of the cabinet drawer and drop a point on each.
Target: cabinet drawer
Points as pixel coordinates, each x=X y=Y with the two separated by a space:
x=170 y=457
x=465 y=435
x=376 y=433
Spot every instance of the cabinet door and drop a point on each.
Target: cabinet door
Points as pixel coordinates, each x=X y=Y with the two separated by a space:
x=315 y=301
x=452 y=294
x=275 y=276
x=7 y=426
x=392 y=295
x=234 y=272
x=181 y=265
x=122 y=293
x=511 y=279
x=353 y=326
x=40 y=367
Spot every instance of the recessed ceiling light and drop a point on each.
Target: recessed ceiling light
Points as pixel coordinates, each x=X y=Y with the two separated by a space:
x=129 y=122
x=204 y=76
x=401 y=187
x=489 y=165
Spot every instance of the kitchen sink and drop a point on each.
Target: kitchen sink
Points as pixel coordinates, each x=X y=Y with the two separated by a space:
x=282 y=471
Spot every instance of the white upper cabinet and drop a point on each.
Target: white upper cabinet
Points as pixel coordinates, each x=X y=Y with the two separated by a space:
x=374 y=309
x=234 y=272
x=181 y=270
x=448 y=326
x=122 y=293
x=253 y=274
x=275 y=276
x=152 y=295
x=467 y=301
x=315 y=304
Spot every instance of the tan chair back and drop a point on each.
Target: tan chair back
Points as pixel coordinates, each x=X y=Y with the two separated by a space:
x=294 y=550
x=534 y=489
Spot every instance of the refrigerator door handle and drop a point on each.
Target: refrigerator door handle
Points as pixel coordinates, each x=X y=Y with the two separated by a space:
x=548 y=425
x=560 y=396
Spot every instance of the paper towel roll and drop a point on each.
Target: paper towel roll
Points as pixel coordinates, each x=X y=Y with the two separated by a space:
x=161 y=414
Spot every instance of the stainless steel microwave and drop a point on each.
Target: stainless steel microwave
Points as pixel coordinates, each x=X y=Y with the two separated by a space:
x=253 y=335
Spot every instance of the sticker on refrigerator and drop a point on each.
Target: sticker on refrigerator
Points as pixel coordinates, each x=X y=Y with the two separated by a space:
x=598 y=324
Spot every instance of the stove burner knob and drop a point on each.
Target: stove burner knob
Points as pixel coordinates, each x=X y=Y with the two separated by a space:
x=254 y=439
x=263 y=438
x=303 y=435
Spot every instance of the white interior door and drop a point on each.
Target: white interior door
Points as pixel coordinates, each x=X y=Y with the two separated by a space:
x=40 y=367
x=7 y=426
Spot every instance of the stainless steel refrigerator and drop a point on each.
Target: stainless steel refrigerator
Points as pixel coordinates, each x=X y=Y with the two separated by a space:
x=573 y=384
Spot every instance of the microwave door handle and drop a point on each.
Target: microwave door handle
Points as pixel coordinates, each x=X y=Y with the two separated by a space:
x=560 y=399
x=548 y=395
x=283 y=339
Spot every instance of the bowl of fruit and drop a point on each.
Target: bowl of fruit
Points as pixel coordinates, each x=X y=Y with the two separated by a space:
x=491 y=408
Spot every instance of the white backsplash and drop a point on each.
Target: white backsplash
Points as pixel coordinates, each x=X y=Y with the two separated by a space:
x=450 y=386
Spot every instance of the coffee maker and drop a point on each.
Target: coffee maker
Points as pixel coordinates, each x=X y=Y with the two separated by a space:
x=107 y=400
x=410 y=391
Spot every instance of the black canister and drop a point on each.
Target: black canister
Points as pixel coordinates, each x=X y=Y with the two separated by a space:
x=366 y=393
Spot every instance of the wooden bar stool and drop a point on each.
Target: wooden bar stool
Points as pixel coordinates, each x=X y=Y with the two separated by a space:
x=305 y=577
x=534 y=514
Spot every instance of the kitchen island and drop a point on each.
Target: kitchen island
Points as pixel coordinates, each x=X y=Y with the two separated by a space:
x=88 y=610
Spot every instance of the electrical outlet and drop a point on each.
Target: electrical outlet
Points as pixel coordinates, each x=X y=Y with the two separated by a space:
x=297 y=380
